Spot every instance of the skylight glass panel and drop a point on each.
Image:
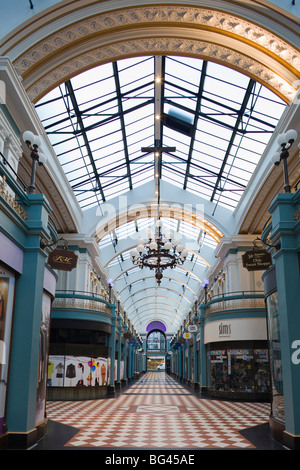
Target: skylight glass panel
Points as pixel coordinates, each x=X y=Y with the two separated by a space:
x=218 y=119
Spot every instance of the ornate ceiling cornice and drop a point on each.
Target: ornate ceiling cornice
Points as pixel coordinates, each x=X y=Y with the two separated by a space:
x=158 y=29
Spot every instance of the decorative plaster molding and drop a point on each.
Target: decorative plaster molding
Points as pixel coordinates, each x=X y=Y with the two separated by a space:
x=193 y=19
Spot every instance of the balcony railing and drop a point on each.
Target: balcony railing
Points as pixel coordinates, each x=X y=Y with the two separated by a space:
x=241 y=300
x=12 y=189
x=72 y=299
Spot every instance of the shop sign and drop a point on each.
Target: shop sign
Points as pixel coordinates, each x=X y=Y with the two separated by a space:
x=192 y=328
x=256 y=260
x=127 y=335
x=62 y=259
x=224 y=329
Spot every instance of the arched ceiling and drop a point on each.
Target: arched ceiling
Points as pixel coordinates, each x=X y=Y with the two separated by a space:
x=208 y=115
x=69 y=38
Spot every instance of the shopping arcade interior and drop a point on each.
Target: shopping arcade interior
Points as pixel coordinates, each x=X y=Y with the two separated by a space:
x=174 y=119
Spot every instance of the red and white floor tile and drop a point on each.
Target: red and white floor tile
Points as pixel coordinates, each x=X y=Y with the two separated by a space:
x=156 y=412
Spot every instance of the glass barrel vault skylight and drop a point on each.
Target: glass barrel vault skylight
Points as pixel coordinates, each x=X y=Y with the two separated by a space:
x=218 y=120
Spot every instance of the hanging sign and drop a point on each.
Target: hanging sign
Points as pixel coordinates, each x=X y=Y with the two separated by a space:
x=127 y=335
x=256 y=260
x=62 y=259
x=192 y=328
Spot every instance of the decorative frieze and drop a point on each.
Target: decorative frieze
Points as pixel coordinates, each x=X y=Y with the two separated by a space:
x=181 y=18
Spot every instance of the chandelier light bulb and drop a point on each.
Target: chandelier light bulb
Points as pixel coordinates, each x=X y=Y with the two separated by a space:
x=133 y=254
x=184 y=253
x=153 y=246
x=140 y=248
x=179 y=248
x=168 y=246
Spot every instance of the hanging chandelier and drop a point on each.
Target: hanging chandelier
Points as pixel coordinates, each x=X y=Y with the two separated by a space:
x=159 y=252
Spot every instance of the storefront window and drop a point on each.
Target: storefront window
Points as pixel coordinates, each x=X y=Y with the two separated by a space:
x=7 y=287
x=262 y=371
x=219 y=370
x=275 y=357
x=240 y=370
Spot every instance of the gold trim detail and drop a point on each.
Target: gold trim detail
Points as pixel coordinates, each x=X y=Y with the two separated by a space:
x=99 y=29
x=9 y=198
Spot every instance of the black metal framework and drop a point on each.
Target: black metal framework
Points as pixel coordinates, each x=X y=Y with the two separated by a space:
x=218 y=120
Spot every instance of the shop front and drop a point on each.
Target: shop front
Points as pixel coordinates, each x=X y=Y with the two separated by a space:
x=238 y=359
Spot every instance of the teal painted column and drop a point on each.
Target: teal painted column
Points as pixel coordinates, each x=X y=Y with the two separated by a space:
x=129 y=361
x=183 y=359
x=196 y=375
x=180 y=361
x=23 y=376
x=112 y=346
x=189 y=359
x=196 y=378
x=125 y=354
x=135 y=366
x=144 y=355
x=119 y=349
x=203 y=375
x=285 y=212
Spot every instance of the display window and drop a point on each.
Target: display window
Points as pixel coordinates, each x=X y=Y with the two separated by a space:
x=7 y=289
x=239 y=370
x=43 y=359
x=77 y=371
x=275 y=357
x=219 y=370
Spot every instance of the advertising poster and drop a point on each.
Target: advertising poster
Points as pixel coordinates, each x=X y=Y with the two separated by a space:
x=43 y=359
x=76 y=371
x=7 y=282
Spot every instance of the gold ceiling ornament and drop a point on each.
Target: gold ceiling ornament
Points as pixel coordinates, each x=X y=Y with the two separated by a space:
x=166 y=29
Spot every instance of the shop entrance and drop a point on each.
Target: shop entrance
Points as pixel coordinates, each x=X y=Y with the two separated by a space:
x=155 y=363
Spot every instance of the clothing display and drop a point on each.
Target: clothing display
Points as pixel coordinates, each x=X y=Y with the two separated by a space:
x=59 y=370
x=71 y=371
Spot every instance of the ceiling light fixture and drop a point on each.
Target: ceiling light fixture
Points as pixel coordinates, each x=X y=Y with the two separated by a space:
x=33 y=142
x=285 y=141
x=159 y=252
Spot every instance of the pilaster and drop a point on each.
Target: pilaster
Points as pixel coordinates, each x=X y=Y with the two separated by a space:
x=286 y=228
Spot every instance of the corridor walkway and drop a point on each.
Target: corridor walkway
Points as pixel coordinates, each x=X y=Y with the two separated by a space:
x=157 y=412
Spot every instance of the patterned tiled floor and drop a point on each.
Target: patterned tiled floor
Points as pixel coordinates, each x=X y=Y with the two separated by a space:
x=157 y=412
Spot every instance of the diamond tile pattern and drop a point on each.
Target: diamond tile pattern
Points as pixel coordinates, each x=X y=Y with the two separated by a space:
x=156 y=412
